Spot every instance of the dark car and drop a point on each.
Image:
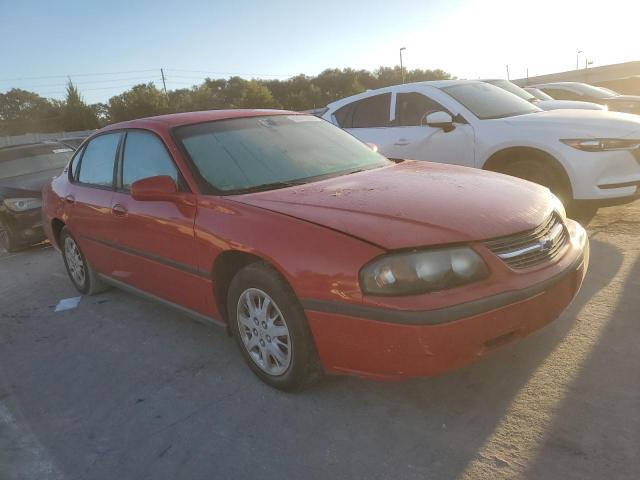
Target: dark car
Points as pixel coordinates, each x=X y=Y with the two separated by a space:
x=588 y=93
x=24 y=170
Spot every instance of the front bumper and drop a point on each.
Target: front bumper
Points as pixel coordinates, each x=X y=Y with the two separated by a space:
x=25 y=227
x=604 y=178
x=392 y=349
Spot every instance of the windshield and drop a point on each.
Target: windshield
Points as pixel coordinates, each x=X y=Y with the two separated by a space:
x=245 y=154
x=512 y=88
x=595 y=92
x=609 y=91
x=539 y=94
x=33 y=159
x=487 y=101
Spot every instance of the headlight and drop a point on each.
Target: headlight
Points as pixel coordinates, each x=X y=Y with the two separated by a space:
x=22 y=204
x=602 y=144
x=413 y=273
x=558 y=207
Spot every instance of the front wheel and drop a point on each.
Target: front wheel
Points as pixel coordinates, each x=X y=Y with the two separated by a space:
x=271 y=329
x=8 y=240
x=541 y=173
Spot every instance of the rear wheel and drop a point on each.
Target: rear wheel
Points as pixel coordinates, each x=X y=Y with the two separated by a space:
x=271 y=329
x=83 y=277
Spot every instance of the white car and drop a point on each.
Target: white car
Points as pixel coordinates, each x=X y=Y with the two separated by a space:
x=589 y=158
x=548 y=103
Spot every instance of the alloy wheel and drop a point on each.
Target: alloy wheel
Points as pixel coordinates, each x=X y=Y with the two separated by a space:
x=264 y=332
x=75 y=263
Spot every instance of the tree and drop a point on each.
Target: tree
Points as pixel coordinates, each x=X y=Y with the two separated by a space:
x=22 y=112
x=257 y=95
x=142 y=100
x=77 y=115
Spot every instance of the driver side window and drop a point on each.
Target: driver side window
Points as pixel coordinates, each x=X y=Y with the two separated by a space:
x=411 y=108
x=145 y=156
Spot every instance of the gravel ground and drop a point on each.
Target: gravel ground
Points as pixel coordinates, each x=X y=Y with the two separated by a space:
x=123 y=388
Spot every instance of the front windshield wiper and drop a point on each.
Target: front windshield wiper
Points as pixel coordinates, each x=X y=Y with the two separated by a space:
x=268 y=186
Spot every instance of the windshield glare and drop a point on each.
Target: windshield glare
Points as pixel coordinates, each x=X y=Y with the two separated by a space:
x=241 y=154
x=25 y=161
x=595 y=92
x=487 y=101
x=512 y=88
x=539 y=94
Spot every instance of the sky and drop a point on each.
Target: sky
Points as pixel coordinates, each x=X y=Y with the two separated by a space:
x=108 y=46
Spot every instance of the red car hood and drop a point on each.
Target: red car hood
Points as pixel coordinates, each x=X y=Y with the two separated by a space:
x=414 y=204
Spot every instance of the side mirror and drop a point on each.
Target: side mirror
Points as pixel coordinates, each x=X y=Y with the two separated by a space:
x=372 y=146
x=160 y=188
x=440 y=119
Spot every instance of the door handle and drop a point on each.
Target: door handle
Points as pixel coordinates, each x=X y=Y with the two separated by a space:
x=402 y=141
x=70 y=199
x=119 y=210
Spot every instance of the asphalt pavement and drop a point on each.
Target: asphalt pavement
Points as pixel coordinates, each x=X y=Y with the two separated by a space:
x=124 y=388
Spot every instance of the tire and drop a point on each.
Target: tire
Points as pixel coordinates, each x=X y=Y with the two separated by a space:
x=275 y=324
x=541 y=173
x=83 y=277
x=8 y=240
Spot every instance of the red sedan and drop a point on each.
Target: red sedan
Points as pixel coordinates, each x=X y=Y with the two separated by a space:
x=315 y=252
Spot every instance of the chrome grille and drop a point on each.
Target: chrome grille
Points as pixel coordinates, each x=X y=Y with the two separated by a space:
x=533 y=247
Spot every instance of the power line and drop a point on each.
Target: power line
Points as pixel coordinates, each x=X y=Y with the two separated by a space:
x=88 y=82
x=233 y=73
x=129 y=85
x=77 y=75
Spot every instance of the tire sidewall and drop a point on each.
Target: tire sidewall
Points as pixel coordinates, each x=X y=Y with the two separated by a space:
x=263 y=277
x=10 y=245
x=84 y=289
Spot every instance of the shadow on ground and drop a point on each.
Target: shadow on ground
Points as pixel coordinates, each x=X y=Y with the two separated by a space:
x=123 y=388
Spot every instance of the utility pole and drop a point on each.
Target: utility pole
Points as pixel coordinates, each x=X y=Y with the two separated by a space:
x=508 y=73
x=577 y=56
x=401 y=67
x=164 y=83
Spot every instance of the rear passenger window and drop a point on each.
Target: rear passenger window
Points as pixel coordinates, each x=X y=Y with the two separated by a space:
x=411 y=108
x=96 y=166
x=145 y=156
x=366 y=113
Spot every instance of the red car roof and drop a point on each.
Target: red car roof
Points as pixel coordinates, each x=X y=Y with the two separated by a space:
x=177 y=119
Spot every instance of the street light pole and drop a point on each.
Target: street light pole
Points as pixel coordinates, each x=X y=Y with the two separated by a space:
x=401 y=67
x=577 y=57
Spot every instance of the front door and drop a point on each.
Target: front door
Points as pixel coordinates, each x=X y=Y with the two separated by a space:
x=155 y=239
x=411 y=138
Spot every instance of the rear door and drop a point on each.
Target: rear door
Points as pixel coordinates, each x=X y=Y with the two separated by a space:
x=88 y=202
x=368 y=119
x=155 y=239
